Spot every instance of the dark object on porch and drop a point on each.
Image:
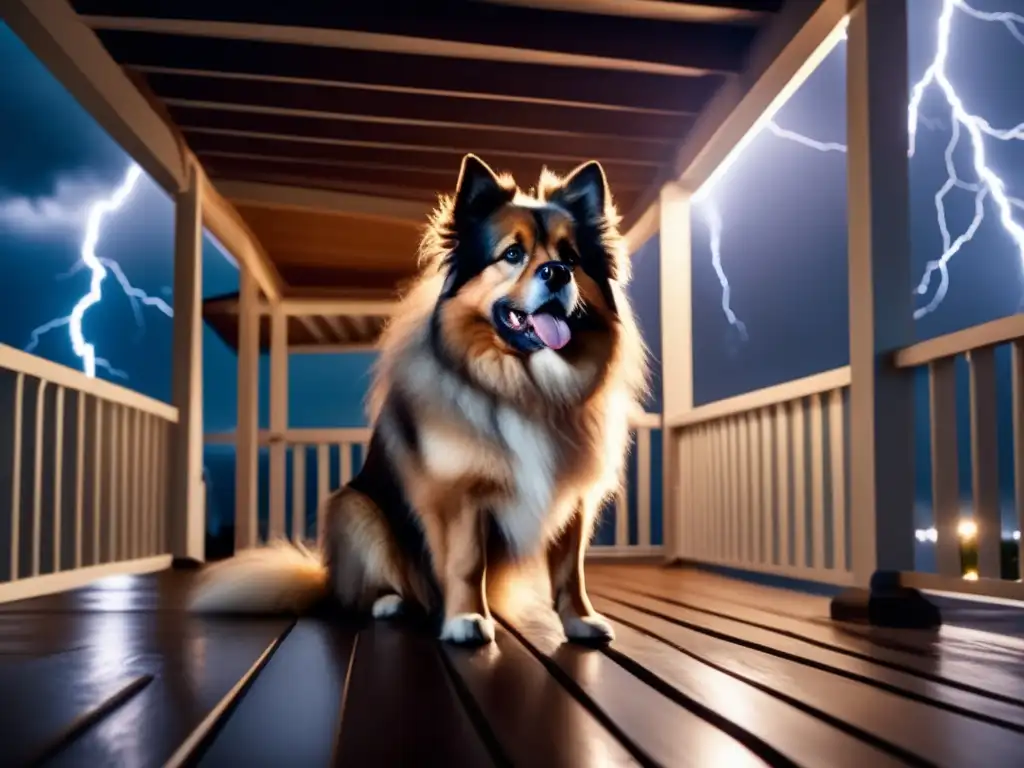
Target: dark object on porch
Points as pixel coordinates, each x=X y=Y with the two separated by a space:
x=705 y=671
x=886 y=604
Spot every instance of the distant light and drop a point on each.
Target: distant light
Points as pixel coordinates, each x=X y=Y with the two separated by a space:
x=926 y=534
x=1016 y=535
x=971 y=576
x=967 y=529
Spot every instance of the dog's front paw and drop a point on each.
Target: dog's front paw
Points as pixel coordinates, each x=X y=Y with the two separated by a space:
x=387 y=607
x=468 y=629
x=594 y=628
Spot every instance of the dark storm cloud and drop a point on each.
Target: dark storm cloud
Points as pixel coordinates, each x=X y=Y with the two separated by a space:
x=39 y=152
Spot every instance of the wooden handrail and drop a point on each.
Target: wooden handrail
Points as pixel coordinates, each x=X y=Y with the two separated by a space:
x=22 y=362
x=959 y=342
x=762 y=398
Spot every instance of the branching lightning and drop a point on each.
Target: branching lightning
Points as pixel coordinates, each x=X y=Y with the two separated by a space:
x=99 y=267
x=988 y=183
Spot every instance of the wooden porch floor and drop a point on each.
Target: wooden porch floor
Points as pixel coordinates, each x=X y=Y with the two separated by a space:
x=705 y=672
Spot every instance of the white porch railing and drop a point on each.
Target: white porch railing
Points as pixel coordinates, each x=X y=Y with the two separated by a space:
x=760 y=481
x=311 y=452
x=84 y=470
x=984 y=528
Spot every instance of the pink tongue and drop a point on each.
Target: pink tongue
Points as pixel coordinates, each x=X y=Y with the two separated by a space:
x=553 y=331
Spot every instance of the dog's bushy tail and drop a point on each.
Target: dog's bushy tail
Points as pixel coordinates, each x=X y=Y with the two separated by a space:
x=279 y=578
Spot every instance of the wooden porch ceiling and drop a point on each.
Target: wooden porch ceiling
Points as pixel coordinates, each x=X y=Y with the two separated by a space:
x=378 y=102
x=356 y=329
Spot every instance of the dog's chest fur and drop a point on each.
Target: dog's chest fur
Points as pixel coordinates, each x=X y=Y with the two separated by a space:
x=546 y=468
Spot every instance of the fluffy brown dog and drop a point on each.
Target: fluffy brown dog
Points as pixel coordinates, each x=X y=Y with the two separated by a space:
x=501 y=406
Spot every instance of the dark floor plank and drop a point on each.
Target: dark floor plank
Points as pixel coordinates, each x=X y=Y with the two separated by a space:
x=965 y=702
x=195 y=663
x=662 y=730
x=798 y=736
x=290 y=713
x=986 y=665
x=534 y=719
x=400 y=707
x=50 y=693
x=906 y=728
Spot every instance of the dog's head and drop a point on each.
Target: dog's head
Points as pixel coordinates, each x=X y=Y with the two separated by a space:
x=530 y=304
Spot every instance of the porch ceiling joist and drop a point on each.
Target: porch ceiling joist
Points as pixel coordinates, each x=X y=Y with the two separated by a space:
x=673 y=10
x=452 y=29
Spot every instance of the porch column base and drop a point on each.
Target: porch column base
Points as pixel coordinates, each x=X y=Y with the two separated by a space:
x=886 y=603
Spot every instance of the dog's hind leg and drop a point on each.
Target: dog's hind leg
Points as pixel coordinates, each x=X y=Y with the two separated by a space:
x=363 y=563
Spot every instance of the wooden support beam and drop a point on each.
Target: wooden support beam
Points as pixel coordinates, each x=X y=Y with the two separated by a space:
x=278 y=419
x=71 y=52
x=881 y=417
x=677 y=356
x=246 y=448
x=881 y=310
x=187 y=501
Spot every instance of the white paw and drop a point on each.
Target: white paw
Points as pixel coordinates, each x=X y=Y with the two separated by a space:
x=468 y=629
x=587 y=629
x=387 y=607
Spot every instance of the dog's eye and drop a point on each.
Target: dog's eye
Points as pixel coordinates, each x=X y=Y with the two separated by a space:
x=568 y=254
x=514 y=254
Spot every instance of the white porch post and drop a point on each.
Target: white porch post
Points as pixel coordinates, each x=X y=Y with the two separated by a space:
x=881 y=431
x=278 y=417
x=677 y=354
x=247 y=431
x=187 y=503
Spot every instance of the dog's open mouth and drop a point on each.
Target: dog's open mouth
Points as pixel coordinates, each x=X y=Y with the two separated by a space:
x=547 y=327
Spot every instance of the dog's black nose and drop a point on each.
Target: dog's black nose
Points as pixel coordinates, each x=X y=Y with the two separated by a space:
x=555 y=275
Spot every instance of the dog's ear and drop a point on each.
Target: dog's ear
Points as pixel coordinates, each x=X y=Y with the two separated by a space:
x=479 y=190
x=584 y=192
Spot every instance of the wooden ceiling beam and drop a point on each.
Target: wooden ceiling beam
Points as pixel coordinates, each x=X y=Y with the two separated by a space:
x=308 y=143
x=451 y=28
x=431 y=182
x=461 y=140
x=524 y=173
x=525 y=170
x=414 y=108
x=407 y=73
x=701 y=11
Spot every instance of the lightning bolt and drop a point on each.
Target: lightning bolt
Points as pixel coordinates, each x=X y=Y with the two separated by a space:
x=99 y=269
x=988 y=183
